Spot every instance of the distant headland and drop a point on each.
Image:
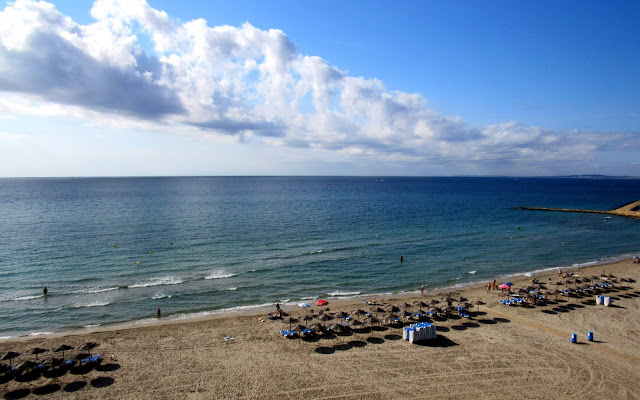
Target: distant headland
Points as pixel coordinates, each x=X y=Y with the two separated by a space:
x=631 y=210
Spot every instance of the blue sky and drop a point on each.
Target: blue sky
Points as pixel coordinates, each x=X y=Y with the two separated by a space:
x=319 y=88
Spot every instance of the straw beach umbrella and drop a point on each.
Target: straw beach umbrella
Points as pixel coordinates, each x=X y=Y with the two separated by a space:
x=325 y=317
x=63 y=348
x=305 y=318
x=479 y=303
x=10 y=356
x=38 y=350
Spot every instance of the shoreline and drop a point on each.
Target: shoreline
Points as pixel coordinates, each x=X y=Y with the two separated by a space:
x=257 y=310
x=500 y=351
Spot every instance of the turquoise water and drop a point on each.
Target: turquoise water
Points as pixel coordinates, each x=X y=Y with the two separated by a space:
x=103 y=246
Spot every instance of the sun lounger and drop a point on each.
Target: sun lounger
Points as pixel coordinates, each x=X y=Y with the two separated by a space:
x=464 y=315
x=288 y=334
x=506 y=302
x=91 y=360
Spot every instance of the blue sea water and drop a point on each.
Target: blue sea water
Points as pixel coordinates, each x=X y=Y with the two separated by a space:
x=112 y=250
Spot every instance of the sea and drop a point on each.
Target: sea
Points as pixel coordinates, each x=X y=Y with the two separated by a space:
x=112 y=250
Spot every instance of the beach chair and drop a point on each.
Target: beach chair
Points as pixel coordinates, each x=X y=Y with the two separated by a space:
x=506 y=302
x=93 y=360
x=464 y=315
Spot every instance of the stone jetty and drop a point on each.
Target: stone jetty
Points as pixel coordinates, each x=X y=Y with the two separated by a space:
x=631 y=210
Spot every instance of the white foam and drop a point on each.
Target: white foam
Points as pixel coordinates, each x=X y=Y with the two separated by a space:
x=39 y=333
x=472 y=272
x=231 y=288
x=94 y=304
x=27 y=297
x=92 y=291
x=92 y=326
x=339 y=293
x=161 y=296
x=219 y=274
x=167 y=280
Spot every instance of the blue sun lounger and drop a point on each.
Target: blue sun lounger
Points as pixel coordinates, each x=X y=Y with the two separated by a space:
x=288 y=334
x=464 y=315
x=92 y=360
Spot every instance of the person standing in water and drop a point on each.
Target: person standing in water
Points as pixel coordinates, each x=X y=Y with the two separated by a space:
x=422 y=290
x=45 y=291
x=401 y=258
x=159 y=313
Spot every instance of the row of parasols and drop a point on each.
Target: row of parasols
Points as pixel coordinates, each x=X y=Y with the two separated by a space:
x=389 y=314
x=584 y=284
x=37 y=351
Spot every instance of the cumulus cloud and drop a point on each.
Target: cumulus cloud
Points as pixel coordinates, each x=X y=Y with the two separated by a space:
x=138 y=63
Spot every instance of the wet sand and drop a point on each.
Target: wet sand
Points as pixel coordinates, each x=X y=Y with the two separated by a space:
x=504 y=351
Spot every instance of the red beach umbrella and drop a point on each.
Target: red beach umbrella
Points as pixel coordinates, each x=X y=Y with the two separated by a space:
x=321 y=303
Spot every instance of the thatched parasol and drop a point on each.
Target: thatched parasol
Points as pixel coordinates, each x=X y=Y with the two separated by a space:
x=63 y=348
x=38 y=350
x=10 y=356
x=479 y=303
x=305 y=318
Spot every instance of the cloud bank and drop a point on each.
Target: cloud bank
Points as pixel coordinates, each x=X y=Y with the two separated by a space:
x=140 y=65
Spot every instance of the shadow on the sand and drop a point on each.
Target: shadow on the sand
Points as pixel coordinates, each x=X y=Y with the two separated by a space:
x=487 y=321
x=442 y=329
x=17 y=394
x=46 y=389
x=392 y=337
x=375 y=340
x=503 y=320
x=439 y=341
x=74 y=386
x=102 y=381
x=342 y=347
x=109 y=367
x=325 y=350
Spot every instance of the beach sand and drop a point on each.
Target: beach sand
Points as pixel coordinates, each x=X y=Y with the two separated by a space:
x=504 y=352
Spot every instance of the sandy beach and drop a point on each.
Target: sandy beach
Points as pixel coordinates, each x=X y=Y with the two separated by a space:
x=502 y=351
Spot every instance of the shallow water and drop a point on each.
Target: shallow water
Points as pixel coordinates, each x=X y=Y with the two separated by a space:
x=112 y=250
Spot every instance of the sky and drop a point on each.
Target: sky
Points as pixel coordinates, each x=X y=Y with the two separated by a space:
x=426 y=88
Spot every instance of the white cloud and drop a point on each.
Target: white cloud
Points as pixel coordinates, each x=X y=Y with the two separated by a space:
x=137 y=66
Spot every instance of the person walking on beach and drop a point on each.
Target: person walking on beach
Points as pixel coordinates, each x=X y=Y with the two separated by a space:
x=493 y=284
x=278 y=310
x=422 y=290
x=488 y=287
x=159 y=313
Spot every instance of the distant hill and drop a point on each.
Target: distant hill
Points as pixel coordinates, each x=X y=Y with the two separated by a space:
x=596 y=177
